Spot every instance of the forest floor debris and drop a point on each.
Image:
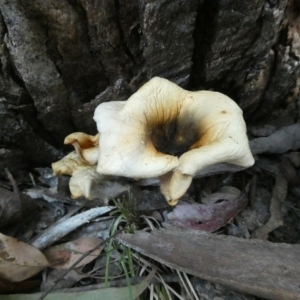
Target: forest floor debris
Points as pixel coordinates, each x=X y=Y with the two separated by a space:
x=260 y=203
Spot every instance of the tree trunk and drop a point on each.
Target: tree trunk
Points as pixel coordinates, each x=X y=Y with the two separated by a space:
x=61 y=59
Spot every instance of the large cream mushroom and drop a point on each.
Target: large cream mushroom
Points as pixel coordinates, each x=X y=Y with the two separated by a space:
x=165 y=131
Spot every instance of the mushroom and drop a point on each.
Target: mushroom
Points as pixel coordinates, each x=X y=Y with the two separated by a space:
x=86 y=146
x=165 y=131
x=84 y=177
x=82 y=181
x=84 y=140
x=68 y=164
x=86 y=181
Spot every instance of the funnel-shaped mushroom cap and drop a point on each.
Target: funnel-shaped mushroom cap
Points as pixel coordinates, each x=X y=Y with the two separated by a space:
x=163 y=129
x=126 y=147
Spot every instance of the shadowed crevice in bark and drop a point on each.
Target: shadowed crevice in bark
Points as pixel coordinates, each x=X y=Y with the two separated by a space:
x=203 y=36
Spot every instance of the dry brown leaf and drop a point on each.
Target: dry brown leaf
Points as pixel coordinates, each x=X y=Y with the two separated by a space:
x=206 y=217
x=264 y=269
x=18 y=260
x=65 y=255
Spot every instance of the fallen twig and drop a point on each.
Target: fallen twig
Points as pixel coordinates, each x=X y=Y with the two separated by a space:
x=61 y=229
x=13 y=182
x=61 y=220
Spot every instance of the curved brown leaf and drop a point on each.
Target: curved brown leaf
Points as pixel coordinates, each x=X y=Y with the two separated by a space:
x=18 y=260
x=206 y=217
x=64 y=255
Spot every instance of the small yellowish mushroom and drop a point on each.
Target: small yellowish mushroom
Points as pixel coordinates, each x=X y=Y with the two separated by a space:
x=68 y=164
x=86 y=146
x=82 y=181
x=85 y=180
x=83 y=175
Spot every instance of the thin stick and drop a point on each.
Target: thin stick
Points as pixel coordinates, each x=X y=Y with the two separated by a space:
x=32 y=180
x=59 y=230
x=12 y=181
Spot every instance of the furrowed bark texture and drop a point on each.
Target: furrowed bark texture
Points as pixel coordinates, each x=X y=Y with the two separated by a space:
x=60 y=59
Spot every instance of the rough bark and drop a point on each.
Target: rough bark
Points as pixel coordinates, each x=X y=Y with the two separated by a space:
x=60 y=59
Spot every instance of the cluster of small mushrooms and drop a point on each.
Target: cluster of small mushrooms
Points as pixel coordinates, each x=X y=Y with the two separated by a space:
x=161 y=131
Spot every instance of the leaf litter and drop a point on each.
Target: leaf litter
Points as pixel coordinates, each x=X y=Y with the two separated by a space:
x=207 y=217
x=64 y=255
x=18 y=260
x=258 y=203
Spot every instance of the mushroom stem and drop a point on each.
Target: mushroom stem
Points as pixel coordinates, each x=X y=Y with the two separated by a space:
x=77 y=148
x=173 y=186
